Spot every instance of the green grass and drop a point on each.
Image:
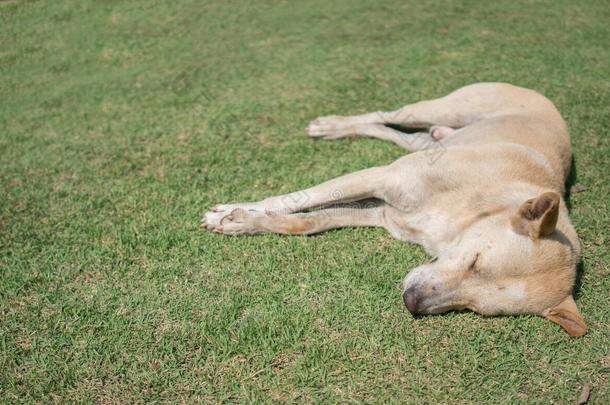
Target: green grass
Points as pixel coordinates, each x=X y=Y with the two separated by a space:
x=122 y=121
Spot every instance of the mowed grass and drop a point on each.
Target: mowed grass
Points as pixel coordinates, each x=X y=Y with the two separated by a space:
x=122 y=121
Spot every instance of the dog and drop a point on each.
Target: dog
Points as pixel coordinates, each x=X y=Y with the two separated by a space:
x=481 y=192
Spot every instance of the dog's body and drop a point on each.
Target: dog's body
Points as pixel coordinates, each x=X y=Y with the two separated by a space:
x=481 y=193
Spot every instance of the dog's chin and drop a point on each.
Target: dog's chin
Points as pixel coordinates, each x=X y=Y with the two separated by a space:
x=435 y=309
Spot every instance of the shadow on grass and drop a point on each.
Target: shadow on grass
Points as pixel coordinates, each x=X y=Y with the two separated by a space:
x=580 y=267
x=570 y=181
x=405 y=129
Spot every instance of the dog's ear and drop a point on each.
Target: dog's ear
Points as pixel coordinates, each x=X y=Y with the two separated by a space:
x=537 y=217
x=567 y=316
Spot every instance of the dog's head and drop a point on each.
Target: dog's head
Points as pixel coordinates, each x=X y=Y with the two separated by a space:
x=513 y=261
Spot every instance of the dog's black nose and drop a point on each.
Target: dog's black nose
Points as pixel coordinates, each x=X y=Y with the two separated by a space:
x=410 y=299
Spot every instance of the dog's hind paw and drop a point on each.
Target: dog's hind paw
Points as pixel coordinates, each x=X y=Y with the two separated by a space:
x=331 y=127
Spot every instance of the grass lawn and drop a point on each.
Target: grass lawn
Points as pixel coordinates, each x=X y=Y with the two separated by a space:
x=122 y=121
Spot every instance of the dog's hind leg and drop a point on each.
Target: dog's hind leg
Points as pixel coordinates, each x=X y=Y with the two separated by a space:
x=240 y=221
x=413 y=141
x=456 y=110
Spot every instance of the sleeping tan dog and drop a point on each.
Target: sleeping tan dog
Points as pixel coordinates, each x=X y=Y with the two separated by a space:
x=481 y=193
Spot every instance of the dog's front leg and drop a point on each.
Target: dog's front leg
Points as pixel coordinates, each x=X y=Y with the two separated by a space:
x=240 y=221
x=368 y=183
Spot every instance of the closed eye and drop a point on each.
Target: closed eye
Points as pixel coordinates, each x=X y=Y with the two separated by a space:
x=473 y=265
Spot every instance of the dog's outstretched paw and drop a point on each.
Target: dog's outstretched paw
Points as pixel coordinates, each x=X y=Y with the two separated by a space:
x=233 y=221
x=331 y=127
x=213 y=218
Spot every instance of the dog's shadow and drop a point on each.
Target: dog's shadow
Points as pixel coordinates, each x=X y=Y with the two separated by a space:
x=570 y=182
